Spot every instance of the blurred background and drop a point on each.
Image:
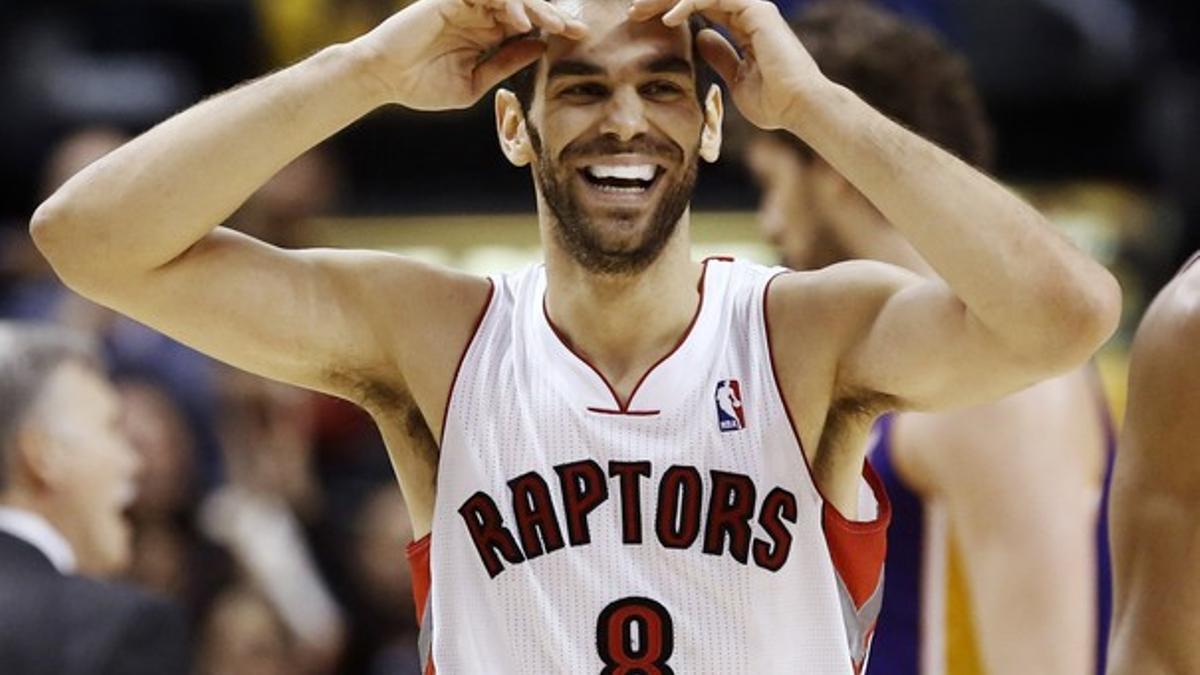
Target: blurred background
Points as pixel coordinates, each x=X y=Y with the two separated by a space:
x=271 y=513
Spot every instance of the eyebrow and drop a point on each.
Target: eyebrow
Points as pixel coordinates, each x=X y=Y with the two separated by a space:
x=670 y=64
x=578 y=68
x=573 y=68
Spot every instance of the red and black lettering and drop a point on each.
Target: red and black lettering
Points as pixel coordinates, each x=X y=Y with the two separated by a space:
x=537 y=521
x=779 y=505
x=621 y=653
x=486 y=527
x=584 y=487
x=680 y=517
x=630 y=474
x=679 y=495
x=729 y=512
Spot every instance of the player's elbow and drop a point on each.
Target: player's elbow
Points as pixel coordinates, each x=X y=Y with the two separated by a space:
x=57 y=236
x=50 y=230
x=1084 y=318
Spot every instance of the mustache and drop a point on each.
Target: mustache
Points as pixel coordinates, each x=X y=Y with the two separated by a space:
x=611 y=145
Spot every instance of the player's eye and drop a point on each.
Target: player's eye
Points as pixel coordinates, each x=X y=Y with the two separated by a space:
x=584 y=91
x=662 y=90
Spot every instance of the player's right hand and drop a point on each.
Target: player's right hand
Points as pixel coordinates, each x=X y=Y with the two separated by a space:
x=446 y=54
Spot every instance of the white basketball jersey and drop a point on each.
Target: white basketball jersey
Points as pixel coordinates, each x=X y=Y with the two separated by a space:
x=678 y=533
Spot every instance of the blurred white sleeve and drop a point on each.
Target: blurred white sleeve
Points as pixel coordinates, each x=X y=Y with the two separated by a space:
x=266 y=539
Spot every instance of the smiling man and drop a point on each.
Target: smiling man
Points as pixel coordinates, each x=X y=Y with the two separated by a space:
x=631 y=473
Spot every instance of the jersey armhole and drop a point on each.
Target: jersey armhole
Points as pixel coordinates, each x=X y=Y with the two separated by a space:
x=483 y=312
x=858 y=548
x=417 y=553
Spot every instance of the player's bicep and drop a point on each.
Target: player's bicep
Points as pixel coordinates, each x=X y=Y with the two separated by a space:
x=295 y=316
x=919 y=345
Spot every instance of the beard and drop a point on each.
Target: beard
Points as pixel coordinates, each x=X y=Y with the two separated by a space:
x=578 y=232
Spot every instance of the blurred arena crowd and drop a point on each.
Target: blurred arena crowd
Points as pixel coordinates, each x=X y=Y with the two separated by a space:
x=270 y=513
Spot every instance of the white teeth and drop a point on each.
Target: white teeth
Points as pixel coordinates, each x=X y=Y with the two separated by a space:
x=625 y=190
x=624 y=172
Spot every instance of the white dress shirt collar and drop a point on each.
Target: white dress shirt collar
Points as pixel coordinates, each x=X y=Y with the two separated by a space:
x=39 y=533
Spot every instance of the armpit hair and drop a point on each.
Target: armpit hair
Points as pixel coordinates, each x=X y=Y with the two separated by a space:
x=853 y=409
x=391 y=400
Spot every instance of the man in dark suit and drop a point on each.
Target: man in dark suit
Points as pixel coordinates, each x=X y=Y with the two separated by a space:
x=66 y=475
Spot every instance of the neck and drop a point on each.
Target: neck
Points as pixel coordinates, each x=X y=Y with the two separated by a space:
x=15 y=499
x=624 y=324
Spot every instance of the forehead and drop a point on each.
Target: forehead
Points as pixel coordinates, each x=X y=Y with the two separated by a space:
x=613 y=41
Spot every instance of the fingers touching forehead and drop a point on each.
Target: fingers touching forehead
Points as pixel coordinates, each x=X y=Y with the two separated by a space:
x=611 y=34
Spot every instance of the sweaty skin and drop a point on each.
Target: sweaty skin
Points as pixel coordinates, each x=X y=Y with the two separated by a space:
x=139 y=230
x=1156 y=493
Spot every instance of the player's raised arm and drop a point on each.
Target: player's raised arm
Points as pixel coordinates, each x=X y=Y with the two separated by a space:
x=136 y=230
x=1018 y=302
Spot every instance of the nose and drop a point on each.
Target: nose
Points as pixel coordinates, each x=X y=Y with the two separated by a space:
x=625 y=114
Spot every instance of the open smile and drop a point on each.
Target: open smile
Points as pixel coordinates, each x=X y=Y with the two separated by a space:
x=621 y=181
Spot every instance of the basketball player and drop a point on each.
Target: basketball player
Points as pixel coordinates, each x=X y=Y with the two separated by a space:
x=595 y=511
x=1155 y=501
x=996 y=533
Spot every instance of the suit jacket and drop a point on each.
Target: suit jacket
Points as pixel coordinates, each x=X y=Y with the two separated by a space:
x=56 y=624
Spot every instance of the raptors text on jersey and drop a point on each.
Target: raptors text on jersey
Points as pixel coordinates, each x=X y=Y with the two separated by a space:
x=676 y=532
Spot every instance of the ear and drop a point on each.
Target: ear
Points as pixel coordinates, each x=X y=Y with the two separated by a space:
x=710 y=135
x=511 y=130
x=33 y=458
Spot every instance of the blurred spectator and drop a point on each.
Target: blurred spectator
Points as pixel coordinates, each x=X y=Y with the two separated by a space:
x=66 y=475
x=30 y=288
x=31 y=291
x=169 y=555
x=384 y=632
x=166 y=485
x=275 y=213
x=244 y=636
x=261 y=514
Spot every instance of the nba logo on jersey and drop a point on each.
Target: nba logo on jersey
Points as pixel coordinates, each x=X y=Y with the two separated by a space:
x=729 y=406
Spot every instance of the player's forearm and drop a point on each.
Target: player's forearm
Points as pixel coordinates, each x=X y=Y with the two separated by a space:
x=152 y=199
x=1021 y=279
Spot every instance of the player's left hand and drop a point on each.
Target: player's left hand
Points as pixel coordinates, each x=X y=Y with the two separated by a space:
x=769 y=70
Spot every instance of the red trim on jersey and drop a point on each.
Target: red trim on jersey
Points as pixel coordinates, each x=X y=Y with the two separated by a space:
x=487 y=303
x=417 y=553
x=623 y=407
x=857 y=548
x=1191 y=261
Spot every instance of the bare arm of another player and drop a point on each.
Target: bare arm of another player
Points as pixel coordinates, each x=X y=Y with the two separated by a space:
x=1156 y=493
x=1021 y=481
x=137 y=230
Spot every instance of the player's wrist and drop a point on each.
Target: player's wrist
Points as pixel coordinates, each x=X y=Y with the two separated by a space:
x=814 y=103
x=365 y=66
